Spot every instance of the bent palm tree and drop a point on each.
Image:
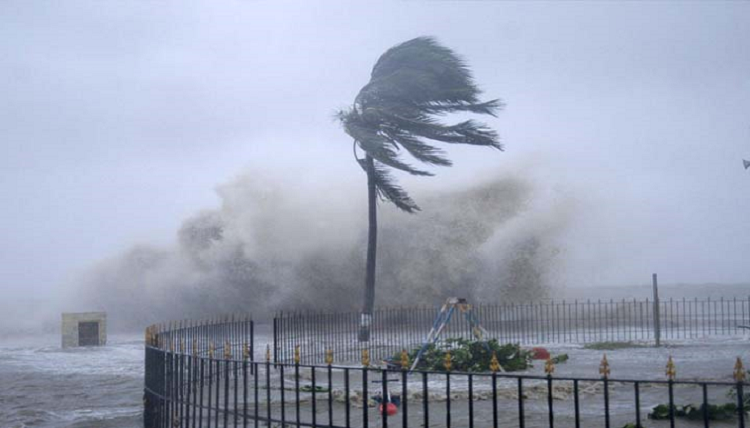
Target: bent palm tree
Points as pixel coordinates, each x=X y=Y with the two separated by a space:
x=411 y=85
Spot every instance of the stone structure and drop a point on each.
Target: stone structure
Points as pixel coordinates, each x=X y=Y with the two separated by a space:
x=84 y=329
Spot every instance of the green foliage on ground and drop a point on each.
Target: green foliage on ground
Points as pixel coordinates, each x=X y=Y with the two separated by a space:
x=610 y=346
x=471 y=356
x=716 y=412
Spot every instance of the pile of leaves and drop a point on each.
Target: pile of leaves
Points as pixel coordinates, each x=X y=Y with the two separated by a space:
x=716 y=412
x=470 y=356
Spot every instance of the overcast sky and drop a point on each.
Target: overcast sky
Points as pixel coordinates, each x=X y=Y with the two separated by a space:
x=119 y=119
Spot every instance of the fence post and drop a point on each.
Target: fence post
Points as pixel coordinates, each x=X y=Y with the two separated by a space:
x=275 y=341
x=657 y=321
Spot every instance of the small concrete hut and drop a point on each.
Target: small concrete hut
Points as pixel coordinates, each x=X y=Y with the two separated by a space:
x=84 y=329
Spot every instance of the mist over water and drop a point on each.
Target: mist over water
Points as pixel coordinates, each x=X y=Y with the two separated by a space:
x=274 y=246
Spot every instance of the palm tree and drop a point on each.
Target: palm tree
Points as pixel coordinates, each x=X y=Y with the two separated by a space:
x=411 y=86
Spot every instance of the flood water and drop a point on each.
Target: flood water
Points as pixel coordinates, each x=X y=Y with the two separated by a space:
x=44 y=385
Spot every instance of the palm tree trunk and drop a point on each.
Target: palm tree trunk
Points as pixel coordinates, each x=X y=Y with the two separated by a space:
x=372 y=245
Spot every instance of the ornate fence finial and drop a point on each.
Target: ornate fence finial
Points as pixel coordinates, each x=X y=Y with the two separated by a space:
x=329 y=356
x=227 y=350
x=739 y=371
x=604 y=367
x=549 y=367
x=296 y=354
x=494 y=363
x=671 y=371
x=366 y=357
x=246 y=351
x=268 y=353
x=448 y=363
x=404 y=359
x=211 y=349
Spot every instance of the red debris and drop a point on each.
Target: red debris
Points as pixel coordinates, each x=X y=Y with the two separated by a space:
x=539 y=354
x=390 y=408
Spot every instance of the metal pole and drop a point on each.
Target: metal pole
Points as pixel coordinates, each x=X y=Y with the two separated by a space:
x=657 y=323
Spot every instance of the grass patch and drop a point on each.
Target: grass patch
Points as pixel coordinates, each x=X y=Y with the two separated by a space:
x=611 y=346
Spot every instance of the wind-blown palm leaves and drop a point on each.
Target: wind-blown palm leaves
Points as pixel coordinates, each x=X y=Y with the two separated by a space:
x=410 y=87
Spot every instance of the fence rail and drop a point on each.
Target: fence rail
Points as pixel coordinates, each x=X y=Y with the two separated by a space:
x=203 y=374
x=394 y=329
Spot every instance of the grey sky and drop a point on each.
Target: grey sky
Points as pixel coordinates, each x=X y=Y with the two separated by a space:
x=118 y=119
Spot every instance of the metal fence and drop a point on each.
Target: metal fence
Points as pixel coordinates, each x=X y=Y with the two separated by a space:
x=394 y=329
x=203 y=374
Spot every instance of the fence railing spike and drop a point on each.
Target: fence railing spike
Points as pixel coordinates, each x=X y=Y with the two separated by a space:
x=739 y=371
x=494 y=363
x=604 y=369
x=549 y=367
x=404 y=359
x=671 y=371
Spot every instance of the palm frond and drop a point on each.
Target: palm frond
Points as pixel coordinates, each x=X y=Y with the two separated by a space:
x=388 y=189
x=376 y=145
x=418 y=149
x=411 y=85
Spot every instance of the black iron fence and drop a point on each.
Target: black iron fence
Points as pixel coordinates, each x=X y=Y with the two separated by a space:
x=203 y=374
x=394 y=329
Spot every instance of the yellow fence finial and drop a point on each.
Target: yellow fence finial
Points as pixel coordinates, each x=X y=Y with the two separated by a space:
x=268 y=353
x=296 y=354
x=739 y=371
x=549 y=367
x=404 y=359
x=448 y=363
x=246 y=351
x=494 y=363
x=227 y=350
x=211 y=350
x=366 y=357
x=671 y=371
x=329 y=356
x=604 y=369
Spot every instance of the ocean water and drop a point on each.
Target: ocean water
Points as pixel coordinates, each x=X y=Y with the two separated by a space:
x=43 y=385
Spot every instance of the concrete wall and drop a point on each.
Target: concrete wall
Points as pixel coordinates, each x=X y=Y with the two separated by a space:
x=70 y=326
